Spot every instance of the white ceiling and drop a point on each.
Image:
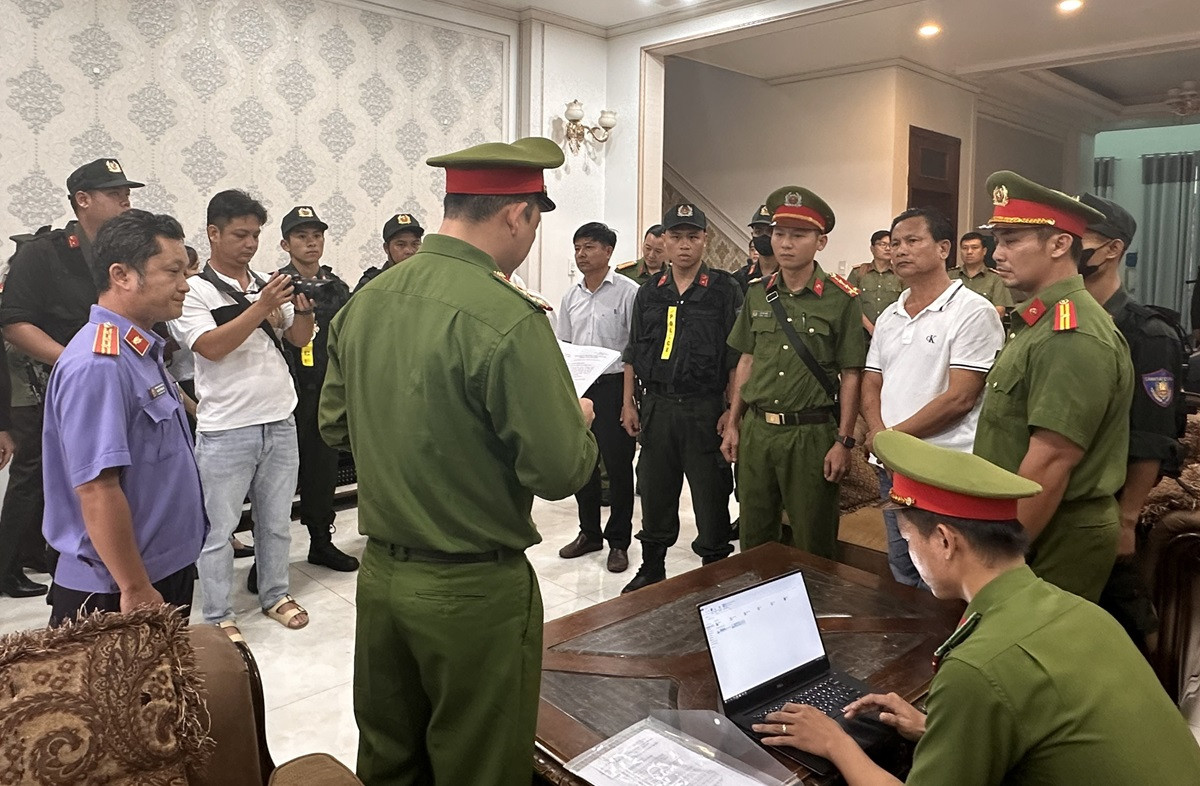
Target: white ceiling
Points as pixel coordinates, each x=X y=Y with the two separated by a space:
x=612 y=13
x=1127 y=53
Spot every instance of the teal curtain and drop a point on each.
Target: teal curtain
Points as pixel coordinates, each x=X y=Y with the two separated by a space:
x=1170 y=234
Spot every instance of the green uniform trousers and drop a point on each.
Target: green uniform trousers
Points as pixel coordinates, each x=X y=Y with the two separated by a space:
x=679 y=438
x=447 y=671
x=1077 y=549
x=783 y=468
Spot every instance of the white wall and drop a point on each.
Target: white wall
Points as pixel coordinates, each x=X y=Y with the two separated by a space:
x=564 y=65
x=736 y=139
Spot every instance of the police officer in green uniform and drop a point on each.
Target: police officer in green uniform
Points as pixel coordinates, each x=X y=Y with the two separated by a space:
x=877 y=282
x=760 y=226
x=1065 y=374
x=651 y=262
x=1037 y=686
x=1156 y=419
x=402 y=235
x=977 y=276
x=792 y=420
x=469 y=414
x=677 y=352
x=304 y=241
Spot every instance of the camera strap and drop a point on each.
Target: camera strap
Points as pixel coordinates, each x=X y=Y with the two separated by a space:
x=239 y=297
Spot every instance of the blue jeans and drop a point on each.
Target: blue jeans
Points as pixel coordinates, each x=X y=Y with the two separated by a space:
x=261 y=461
x=901 y=564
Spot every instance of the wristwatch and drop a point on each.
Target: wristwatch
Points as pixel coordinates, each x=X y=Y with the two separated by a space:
x=847 y=442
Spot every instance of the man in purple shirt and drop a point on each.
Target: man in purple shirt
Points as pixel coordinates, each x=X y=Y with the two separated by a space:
x=123 y=501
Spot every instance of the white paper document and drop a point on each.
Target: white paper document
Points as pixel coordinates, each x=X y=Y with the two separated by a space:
x=650 y=758
x=586 y=364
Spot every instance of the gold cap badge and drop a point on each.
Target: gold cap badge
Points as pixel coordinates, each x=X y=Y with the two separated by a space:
x=684 y=211
x=304 y=212
x=792 y=199
x=113 y=166
x=403 y=218
x=1000 y=196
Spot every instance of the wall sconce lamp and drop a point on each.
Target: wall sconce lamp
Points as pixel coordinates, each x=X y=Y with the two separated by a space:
x=577 y=132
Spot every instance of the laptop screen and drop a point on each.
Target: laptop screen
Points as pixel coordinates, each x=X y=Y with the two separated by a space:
x=760 y=633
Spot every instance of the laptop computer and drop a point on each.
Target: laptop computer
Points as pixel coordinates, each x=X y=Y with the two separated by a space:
x=767 y=651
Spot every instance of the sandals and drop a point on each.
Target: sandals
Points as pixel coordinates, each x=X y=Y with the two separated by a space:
x=231 y=630
x=285 y=618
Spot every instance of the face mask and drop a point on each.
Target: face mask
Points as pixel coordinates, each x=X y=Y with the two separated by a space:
x=762 y=244
x=1086 y=270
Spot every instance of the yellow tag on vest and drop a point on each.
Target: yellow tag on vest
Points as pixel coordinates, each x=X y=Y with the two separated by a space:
x=306 y=355
x=669 y=341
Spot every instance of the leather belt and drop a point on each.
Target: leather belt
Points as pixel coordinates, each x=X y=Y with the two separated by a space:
x=803 y=418
x=405 y=554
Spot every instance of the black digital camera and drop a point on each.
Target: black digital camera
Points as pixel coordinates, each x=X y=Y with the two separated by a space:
x=309 y=287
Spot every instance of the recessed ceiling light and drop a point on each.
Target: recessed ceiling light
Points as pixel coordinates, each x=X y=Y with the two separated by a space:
x=929 y=30
x=1070 y=6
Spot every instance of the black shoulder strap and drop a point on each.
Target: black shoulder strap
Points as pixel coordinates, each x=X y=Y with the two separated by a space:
x=801 y=349
x=210 y=275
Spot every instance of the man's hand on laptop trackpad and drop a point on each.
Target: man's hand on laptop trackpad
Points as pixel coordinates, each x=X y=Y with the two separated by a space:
x=892 y=711
x=801 y=726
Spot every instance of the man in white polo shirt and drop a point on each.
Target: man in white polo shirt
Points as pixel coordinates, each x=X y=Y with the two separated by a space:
x=233 y=320
x=927 y=362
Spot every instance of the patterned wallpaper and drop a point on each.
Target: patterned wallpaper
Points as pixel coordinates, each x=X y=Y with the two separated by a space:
x=722 y=251
x=298 y=101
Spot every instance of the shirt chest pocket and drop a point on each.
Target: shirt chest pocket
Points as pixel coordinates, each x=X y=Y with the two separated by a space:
x=817 y=334
x=1004 y=394
x=159 y=425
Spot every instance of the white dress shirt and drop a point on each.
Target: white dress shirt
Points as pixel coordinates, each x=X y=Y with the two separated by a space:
x=600 y=318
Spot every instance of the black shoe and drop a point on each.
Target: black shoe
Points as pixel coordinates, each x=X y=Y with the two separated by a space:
x=241 y=552
x=252 y=579
x=331 y=557
x=20 y=586
x=580 y=546
x=618 y=561
x=735 y=530
x=710 y=560
x=646 y=575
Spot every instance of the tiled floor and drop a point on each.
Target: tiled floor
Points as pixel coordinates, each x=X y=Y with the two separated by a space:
x=307 y=673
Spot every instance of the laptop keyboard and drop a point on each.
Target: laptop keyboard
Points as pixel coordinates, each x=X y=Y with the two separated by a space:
x=829 y=696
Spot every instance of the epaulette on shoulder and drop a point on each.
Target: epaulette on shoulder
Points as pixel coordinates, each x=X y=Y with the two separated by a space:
x=627 y=265
x=754 y=281
x=533 y=300
x=1065 y=316
x=843 y=285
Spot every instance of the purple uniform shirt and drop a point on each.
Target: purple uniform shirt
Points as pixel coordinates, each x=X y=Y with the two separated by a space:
x=105 y=411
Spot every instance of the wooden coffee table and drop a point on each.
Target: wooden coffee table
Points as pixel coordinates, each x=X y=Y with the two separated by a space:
x=609 y=666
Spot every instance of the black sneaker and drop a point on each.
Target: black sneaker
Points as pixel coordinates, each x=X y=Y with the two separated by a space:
x=331 y=557
x=646 y=575
x=252 y=579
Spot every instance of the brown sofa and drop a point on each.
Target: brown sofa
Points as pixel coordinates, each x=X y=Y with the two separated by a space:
x=139 y=699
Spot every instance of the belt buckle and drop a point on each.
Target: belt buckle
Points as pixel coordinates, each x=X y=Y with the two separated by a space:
x=774 y=418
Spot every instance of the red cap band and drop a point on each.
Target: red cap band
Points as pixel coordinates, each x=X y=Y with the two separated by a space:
x=916 y=494
x=798 y=213
x=495 y=180
x=1023 y=212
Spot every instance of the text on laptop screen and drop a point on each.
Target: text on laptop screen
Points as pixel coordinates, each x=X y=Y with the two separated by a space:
x=761 y=633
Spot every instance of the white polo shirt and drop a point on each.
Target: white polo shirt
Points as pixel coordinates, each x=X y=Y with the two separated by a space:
x=959 y=329
x=251 y=385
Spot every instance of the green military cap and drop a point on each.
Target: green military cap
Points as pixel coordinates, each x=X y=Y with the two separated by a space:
x=761 y=216
x=940 y=480
x=501 y=168
x=795 y=206
x=1019 y=202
